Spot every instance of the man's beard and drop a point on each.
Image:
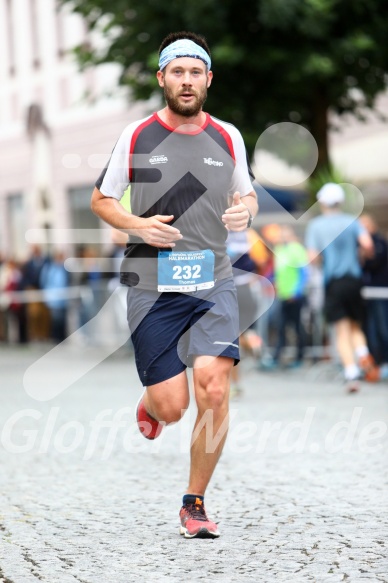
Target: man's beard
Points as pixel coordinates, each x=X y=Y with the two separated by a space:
x=185 y=109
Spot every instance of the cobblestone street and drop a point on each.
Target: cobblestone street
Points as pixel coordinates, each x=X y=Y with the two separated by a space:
x=300 y=492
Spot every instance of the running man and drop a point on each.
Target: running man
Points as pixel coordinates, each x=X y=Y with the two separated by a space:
x=183 y=166
x=336 y=238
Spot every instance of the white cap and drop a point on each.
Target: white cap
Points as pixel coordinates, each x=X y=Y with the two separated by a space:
x=331 y=194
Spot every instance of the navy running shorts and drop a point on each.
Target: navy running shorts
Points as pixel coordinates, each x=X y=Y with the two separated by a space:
x=169 y=329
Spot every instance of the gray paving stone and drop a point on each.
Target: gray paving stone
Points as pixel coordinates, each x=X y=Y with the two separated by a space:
x=85 y=503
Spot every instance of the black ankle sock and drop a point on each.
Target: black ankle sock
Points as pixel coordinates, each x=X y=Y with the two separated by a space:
x=190 y=498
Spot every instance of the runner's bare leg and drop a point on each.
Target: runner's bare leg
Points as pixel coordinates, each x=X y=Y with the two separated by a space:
x=211 y=387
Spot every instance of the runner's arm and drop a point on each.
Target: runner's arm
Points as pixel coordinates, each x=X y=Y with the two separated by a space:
x=366 y=244
x=153 y=230
x=237 y=216
x=250 y=201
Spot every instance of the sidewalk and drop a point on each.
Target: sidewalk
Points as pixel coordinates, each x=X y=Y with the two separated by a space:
x=299 y=493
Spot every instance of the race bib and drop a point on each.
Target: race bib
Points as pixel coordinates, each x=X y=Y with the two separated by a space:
x=185 y=271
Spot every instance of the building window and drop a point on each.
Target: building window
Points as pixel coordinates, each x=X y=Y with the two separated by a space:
x=81 y=217
x=59 y=29
x=10 y=37
x=16 y=225
x=35 y=53
x=14 y=106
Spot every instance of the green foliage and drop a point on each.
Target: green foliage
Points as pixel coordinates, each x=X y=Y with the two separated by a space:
x=328 y=174
x=332 y=174
x=273 y=60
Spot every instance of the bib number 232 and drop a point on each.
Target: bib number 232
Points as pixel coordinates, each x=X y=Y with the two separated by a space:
x=185 y=270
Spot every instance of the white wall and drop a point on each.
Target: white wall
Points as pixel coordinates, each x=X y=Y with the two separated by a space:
x=359 y=149
x=80 y=125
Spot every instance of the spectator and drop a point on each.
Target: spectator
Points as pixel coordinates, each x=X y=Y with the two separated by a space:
x=269 y=320
x=247 y=254
x=334 y=237
x=37 y=313
x=89 y=277
x=54 y=279
x=33 y=267
x=290 y=278
x=119 y=240
x=375 y=274
x=3 y=316
x=315 y=298
x=15 y=313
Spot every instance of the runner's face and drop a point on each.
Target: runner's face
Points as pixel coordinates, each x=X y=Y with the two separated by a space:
x=185 y=82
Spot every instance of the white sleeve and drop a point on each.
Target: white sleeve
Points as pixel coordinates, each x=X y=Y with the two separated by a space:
x=241 y=179
x=114 y=179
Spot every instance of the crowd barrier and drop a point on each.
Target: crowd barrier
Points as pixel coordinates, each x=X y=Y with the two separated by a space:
x=84 y=302
x=27 y=296
x=83 y=294
x=375 y=293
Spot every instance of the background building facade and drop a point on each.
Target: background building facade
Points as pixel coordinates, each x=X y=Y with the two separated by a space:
x=57 y=125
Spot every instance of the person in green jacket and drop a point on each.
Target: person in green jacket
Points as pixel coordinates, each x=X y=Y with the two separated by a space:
x=290 y=279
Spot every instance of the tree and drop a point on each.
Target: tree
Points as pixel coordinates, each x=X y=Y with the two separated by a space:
x=273 y=60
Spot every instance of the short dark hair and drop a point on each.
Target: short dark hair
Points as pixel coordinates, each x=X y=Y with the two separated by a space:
x=174 y=36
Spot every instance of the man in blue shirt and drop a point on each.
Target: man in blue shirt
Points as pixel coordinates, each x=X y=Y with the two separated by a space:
x=335 y=237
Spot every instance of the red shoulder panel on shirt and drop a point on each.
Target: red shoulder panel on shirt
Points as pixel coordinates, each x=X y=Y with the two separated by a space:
x=135 y=135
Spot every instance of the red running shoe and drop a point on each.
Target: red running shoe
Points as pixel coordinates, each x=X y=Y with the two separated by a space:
x=195 y=523
x=370 y=369
x=148 y=426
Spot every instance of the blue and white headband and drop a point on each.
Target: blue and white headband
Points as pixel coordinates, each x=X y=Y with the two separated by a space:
x=183 y=48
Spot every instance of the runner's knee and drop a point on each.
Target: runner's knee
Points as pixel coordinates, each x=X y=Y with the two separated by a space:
x=213 y=390
x=169 y=411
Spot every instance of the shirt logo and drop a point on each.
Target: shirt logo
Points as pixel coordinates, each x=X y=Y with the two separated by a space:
x=212 y=162
x=158 y=159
